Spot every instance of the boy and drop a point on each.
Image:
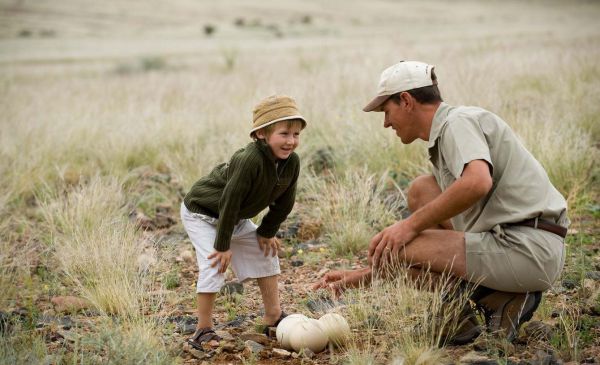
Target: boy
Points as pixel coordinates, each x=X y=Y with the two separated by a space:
x=216 y=212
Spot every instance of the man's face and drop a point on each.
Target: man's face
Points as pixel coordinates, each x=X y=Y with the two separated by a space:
x=398 y=117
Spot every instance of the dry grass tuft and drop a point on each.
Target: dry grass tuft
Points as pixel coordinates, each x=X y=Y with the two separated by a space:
x=97 y=246
x=403 y=320
x=352 y=208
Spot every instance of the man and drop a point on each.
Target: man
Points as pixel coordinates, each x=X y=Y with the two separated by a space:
x=488 y=214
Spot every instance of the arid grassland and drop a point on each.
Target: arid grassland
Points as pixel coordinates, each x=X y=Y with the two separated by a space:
x=109 y=111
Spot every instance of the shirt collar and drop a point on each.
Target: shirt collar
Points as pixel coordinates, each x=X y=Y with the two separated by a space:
x=439 y=119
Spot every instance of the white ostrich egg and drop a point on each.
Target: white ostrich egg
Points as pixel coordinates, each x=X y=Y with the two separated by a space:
x=336 y=327
x=284 y=329
x=308 y=334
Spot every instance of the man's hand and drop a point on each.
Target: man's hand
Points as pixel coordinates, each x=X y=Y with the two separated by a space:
x=268 y=244
x=222 y=258
x=339 y=281
x=387 y=244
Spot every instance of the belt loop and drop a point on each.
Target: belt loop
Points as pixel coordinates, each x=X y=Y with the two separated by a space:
x=535 y=223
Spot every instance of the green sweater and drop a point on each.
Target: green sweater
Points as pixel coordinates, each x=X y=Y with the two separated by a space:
x=252 y=180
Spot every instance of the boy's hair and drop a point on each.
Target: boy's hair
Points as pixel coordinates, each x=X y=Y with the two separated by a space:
x=268 y=130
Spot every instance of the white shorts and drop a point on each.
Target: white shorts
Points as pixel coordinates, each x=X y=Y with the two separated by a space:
x=247 y=260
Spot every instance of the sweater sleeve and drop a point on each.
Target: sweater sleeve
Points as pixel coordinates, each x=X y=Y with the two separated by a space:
x=239 y=181
x=280 y=208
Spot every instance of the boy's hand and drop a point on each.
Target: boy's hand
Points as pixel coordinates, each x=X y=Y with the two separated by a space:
x=223 y=258
x=269 y=244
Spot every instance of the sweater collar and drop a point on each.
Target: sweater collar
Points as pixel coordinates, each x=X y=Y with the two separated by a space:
x=262 y=146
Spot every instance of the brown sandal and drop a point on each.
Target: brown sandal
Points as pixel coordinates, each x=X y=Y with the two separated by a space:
x=203 y=336
x=270 y=331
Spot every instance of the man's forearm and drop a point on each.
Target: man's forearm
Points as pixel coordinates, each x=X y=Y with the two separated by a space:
x=461 y=195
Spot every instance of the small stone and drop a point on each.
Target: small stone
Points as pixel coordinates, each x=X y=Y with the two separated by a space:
x=291 y=231
x=69 y=304
x=297 y=263
x=320 y=305
x=225 y=335
x=186 y=328
x=307 y=353
x=474 y=357
x=232 y=287
x=281 y=353
x=235 y=323
x=594 y=275
x=255 y=337
x=569 y=283
x=252 y=347
x=314 y=245
x=66 y=322
x=228 y=347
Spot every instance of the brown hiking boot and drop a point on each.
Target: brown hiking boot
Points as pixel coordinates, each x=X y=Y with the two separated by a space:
x=505 y=312
x=467 y=328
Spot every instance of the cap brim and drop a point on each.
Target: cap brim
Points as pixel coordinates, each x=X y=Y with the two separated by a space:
x=376 y=104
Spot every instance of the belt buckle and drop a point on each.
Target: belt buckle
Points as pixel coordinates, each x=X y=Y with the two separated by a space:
x=535 y=222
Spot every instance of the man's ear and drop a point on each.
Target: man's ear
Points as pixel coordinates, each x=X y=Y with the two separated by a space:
x=260 y=134
x=406 y=98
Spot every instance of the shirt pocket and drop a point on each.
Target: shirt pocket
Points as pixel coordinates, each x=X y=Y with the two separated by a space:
x=280 y=187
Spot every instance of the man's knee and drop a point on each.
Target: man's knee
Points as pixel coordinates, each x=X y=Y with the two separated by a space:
x=421 y=191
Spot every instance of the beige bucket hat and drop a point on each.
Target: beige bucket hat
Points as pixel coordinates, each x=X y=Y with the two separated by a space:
x=273 y=109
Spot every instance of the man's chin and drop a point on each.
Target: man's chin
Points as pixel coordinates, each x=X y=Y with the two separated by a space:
x=404 y=141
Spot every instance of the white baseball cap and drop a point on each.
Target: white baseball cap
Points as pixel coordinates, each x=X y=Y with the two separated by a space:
x=403 y=76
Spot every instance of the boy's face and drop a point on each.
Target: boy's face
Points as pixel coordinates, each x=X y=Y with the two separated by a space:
x=284 y=139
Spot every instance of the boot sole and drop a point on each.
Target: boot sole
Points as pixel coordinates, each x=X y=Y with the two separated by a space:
x=466 y=337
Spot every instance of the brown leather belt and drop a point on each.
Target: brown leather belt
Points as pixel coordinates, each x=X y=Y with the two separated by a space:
x=543 y=225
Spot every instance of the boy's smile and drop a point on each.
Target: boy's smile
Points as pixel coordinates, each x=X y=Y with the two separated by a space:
x=284 y=140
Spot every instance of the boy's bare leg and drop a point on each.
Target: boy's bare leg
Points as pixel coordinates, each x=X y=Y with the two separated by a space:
x=206 y=303
x=270 y=293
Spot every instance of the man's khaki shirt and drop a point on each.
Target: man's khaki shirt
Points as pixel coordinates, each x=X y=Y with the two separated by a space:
x=521 y=188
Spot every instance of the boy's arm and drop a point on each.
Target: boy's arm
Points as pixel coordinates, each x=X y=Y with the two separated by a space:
x=239 y=181
x=279 y=209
